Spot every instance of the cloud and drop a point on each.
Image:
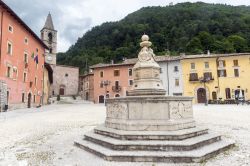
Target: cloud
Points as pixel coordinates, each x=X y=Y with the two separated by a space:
x=72 y=18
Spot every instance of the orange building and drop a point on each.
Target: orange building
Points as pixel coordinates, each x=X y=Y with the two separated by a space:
x=21 y=60
x=112 y=80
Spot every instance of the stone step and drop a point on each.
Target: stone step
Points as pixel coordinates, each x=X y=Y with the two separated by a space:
x=157 y=145
x=197 y=155
x=151 y=135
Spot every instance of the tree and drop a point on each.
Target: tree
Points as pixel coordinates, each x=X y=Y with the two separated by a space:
x=238 y=42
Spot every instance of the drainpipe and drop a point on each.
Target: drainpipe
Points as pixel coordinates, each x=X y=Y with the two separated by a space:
x=1 y=36
x=168 y=77
x=217 y=60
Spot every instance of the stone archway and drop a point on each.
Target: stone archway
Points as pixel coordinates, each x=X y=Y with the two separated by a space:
x=201 y=95
x=196 y=92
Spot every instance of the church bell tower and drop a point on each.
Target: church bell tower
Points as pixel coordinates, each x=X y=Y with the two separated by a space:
x=49 y=37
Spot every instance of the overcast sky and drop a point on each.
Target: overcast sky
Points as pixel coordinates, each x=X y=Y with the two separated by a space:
x=72 y=18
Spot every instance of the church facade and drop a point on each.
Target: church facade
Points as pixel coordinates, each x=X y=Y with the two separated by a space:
x=65 y=78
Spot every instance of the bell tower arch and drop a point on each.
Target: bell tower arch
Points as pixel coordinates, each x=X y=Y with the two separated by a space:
x=49 y=37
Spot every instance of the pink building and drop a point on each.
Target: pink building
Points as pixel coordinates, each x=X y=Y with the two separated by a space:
x=21 y=60
x=112 y=80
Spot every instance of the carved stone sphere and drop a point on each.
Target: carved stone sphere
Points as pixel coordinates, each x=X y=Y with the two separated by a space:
x=145 y=38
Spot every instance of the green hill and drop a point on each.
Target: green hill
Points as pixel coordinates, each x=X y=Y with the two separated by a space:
x=185 y=27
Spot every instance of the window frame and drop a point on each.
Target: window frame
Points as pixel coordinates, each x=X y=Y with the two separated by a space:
x=130 y=70
x=236 y=74
x=118 y=74
x=12 y=28
x=11 y=50
x=192 y=65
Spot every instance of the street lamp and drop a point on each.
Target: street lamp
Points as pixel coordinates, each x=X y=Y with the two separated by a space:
x=105 y=84
x=204 y=80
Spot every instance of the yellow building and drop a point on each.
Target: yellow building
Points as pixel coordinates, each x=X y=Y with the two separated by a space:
x=214 y=77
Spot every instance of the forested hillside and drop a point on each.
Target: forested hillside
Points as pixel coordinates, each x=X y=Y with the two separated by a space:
x=189 y=28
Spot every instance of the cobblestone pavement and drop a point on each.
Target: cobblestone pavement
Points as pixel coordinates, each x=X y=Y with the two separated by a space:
x=45 y=136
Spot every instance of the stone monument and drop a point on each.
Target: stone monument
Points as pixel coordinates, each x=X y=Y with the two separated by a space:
x=147 y=126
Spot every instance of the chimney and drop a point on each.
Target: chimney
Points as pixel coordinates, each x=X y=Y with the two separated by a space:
x=112 y=62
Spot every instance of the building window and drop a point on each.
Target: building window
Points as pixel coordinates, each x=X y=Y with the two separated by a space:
x=192 y=66
x=177 y=82
x=50 y=36
x=228 y=93
x=101 y=74
x=26 y=40
x=117 y=95
x=35 y=81
x=130 y=72
x=222 y=73
x=23 y=97
x=206 y=65
x=15 y=73
x=193 y=77
x=130 y=82
x=9 y=48
x=66 y=75
x=25 y=58
x=236 y=72
x=208 y=75
x=101 y=85
x=116 y=73
x=176 y=69
x=236 y=63
x=24 y=77
x=10 y=28
x=8 y=72
x=221 y=63
x=116 y=83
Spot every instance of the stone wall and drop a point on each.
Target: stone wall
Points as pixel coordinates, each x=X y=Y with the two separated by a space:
x=67 y=78
x=3 y=94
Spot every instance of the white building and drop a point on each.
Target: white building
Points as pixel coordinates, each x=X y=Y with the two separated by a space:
x=171 y=75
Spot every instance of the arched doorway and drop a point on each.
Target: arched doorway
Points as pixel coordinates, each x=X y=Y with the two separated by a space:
x=62 y=90
x=214 y=95
x=29 y=100
x=101 y=99
x=87 y=96
x=201 y=95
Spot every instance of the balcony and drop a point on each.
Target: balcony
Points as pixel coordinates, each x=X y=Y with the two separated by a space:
x=193 y=79
x=116 y=89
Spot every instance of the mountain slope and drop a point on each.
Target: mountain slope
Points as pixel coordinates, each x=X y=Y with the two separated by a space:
x=185 y=27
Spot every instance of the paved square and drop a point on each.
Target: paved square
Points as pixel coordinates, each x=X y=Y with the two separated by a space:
x=45 y=136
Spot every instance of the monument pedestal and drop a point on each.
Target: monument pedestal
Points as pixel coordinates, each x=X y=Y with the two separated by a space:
x=150 y=113
x=152 y=129
x=149 y=126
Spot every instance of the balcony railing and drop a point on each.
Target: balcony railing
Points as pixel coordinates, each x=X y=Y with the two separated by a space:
x=116 y=88
x=193 y=79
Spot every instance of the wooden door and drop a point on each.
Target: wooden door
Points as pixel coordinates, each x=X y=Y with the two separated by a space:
x=201 y=95
x=61 y=92
x=29 y=100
